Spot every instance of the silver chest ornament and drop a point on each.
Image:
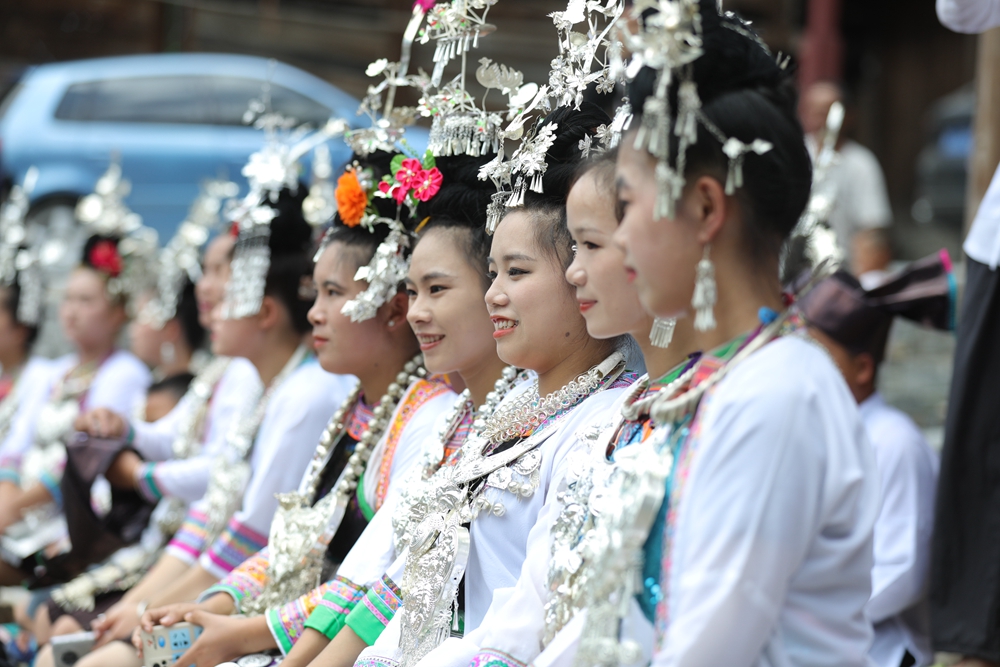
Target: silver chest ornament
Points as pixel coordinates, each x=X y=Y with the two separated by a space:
x=623 y=512
x=432 y=528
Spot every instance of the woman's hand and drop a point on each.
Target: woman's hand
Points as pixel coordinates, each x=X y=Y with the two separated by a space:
x=101 y=423
x=166 y=615
x=118 y=623
x=225 y=638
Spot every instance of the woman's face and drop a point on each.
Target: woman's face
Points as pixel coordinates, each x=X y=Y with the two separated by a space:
x=447 y=311
x=607 y=299
x=211 y=287
x=89 y=318
x=660 y=255
x=233 y=337
x=536 y=319
x=343 y=346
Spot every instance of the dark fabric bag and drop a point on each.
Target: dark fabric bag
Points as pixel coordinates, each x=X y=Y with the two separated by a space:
x=93 y=538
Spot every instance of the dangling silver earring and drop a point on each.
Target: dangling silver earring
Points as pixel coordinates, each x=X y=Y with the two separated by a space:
x=706 y=293
x=662 y=332
x=168 y=354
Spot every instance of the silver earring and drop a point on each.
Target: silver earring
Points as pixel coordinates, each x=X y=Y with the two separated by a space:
x=706 y=293
x=168 y=354
x=662 y=332
x=392 y=323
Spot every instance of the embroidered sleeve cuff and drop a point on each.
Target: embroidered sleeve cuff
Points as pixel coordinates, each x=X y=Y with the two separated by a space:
x=246 y=581
x=146 y=484
x=289 y=621
x=369 y=618
x=492 y=658
x=236 y=543
x=189 y=540
x=375 y=661
x=51 y=484
x=9 y=473
x=331 y=611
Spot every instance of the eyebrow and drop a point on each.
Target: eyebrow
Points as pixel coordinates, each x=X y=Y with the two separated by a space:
x=432 y=275
x=517 y=257
x=332 y=283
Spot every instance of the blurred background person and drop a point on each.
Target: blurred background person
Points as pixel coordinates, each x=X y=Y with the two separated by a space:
x=862 y=200
x=853 y=324
x=965 y=564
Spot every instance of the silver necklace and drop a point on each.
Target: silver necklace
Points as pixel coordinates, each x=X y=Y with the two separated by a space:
x=231 y=470
x=302 y=528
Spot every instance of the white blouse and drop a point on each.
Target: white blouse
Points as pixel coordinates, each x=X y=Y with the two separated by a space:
x=294 y=419
x=499 y=545
x=118 y=383
x=908 y=470
x=188 y=478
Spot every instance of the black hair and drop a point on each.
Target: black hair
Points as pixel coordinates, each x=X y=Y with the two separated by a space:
x=746 y=95
x=460 y=205
x=291 y=265
x=548 y=208
x=358 y=238
x=177 y=385
x=11 y=302
x=187 y=317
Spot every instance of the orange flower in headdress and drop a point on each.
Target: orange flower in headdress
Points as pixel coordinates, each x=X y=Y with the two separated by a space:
x=352 y=200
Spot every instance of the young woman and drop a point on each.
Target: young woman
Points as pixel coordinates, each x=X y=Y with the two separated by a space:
x=268 y=446
x=771 y=489
x=510 y=468
x=171 y=463
x=548 y=594
x=23 y=377
x=168 y=348
x=96 y=375
x=340 y=491
x=446 y=284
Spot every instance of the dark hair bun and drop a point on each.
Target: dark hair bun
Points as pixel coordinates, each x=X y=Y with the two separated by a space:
x=290 y=233
x=463 y=197
x=746 y=95
x=565 y=155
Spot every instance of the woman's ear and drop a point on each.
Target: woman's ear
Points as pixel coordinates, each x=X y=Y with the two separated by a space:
x=172 y=331
x=270 y=312
x=707 y=203
x=395 y=311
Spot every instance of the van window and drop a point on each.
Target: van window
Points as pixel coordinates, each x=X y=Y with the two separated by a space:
x=206 y=100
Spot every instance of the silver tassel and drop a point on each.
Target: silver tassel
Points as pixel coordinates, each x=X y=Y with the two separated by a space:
x=705 y=294
x=662 y=332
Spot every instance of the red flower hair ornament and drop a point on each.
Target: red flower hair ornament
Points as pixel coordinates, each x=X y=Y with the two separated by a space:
x=411 y=180
x=104 y=257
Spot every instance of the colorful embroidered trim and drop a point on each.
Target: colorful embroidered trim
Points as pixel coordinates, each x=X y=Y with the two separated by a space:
x=246 y=581
x=237 y=543
x=288 y=622
x=493 y=658
x=375 y=661
x=189 y=540
x=51 y=485
x=380 y=604
x=147 y=485
x=9 y=471
x=338 y=601
x=420 y=392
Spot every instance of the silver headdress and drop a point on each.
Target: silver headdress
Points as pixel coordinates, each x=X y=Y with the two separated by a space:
x=668 y=40
x=321 y=205
x=269 y=171
x=18 y=262
x=104 y=213
x=812 y=234
x=573 y=70
x=180 y=258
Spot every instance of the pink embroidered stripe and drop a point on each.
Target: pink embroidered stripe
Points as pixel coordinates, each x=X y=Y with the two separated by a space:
x=235 y=545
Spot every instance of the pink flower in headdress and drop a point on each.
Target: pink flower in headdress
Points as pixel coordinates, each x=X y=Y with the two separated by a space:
x=408 y=173
x=104 y=257
x=427 y=184
x=424 y=4
x=393 y=190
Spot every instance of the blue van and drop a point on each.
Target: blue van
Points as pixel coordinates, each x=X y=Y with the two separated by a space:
x=174 y=120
